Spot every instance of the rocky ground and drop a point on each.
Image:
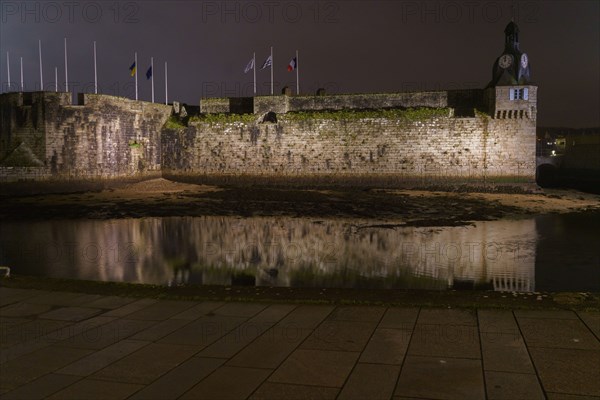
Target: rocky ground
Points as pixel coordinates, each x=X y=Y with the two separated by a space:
x=160 y=197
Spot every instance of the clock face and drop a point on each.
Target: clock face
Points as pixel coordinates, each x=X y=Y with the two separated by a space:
x=524 y=61
x=505 y=61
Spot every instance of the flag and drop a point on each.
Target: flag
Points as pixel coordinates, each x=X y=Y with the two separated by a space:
x=249 y=66
x=149 y=73
x=293 y=64
x=132 y=69
x=268 y=62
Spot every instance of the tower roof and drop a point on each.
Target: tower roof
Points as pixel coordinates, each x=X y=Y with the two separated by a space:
x=511 y=28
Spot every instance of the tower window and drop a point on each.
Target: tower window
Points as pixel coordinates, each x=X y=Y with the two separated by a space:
x=519 y=94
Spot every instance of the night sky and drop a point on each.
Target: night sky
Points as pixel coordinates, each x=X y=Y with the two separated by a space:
x=345 y=47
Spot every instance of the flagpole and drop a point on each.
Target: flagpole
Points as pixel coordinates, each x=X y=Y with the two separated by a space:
x=95 y=71
x=8 y=69
x=254 y=68
x=56 y=79
x=66 y=69
x=166 y=86
x=271 y=70
x=152 y=75
x=297 y=74
x=21 y=74
x=41 y=69
x=136 y=83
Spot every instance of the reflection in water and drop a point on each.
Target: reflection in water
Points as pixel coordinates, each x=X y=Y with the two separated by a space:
x=275 y=252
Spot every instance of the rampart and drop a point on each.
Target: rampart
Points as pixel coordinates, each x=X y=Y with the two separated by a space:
x=397 y=139
x=391 y=147
x=457 y=99
x=44 y=136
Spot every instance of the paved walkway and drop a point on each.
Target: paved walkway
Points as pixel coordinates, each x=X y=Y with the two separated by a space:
x=76 y=346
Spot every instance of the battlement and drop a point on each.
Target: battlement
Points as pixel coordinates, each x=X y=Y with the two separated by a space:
x=20 y=99
x=458 y=99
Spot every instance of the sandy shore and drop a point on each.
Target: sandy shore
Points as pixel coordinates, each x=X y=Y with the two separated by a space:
x=160 y=197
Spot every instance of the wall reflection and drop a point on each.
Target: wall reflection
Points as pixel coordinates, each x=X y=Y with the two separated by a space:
x=276 y=252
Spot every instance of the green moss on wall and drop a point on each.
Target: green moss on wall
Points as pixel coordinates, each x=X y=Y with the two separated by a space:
x=223 y=118
x=174 y=123
x=410 y=114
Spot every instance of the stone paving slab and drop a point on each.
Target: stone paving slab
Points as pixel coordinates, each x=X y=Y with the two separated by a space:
x=274 y=346
x=112 y=347
x=24 y=310
x=221 y=385
x=108 y=302
x=386 y=346
x=200 y=310
x=244 y=334
x=370 y=381
x=441 y=378
x=130 y=308
x=445 y=340
x=103 y=358
x=505 y=352
x=180 y=379
x=27 y=368
x=99 y=337
x=562 y=396
x=545 y=314
x=92 y=389
x=316 y=367
x=447 y=317
x=509 y=386
x=161 y=310
x=12 y=295
x=569 y=371
x=357 y=314
x=240 y=309
x=592 y=321
x=42 y=387
x=340 y=335
x=75 y=314
x=278 y=391
x=27 y=331
x=63 y=299
x=160 y=330
x=557 y=333
x=53 y=337
x=146 y=364
x=497 y=321
x=204 y=331
x=399 y=318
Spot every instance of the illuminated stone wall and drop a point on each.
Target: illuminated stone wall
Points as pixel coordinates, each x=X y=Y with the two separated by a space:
x=44 y=136
x=423 y=145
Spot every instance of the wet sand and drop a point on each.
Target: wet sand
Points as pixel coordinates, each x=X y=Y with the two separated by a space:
x=160 y=197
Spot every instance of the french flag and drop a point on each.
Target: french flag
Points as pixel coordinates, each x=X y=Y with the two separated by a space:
x=292 y=65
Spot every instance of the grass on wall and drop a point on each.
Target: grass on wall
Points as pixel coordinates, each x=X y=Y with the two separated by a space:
x=409 y=114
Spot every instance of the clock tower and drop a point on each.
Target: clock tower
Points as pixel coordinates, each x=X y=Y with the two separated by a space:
x=510 y=93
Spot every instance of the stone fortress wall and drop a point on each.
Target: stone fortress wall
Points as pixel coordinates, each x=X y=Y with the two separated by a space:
x=44 y=136
x=397 y=138
x=446 y=136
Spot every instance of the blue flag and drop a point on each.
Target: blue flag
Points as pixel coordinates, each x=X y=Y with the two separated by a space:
x=149 y=73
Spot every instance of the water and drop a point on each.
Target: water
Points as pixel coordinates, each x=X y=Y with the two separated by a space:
x=554 y=252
